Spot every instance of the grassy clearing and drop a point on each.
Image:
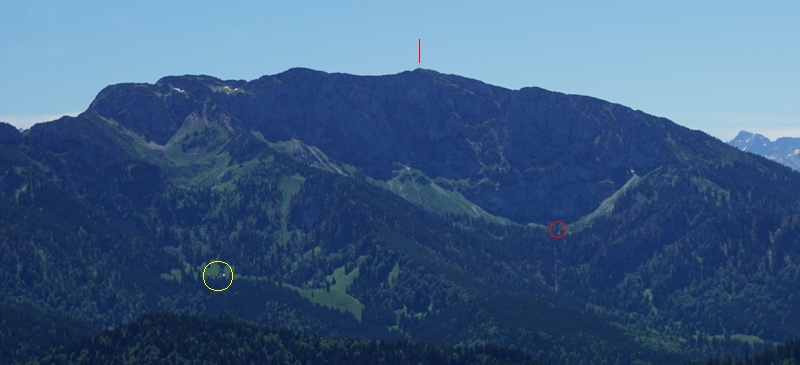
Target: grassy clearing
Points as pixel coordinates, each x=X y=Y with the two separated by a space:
x=706 y=186
x=607 y=206
x=289 y=186
x=342 y=280
x=226 y=174
x=217 y=269
x=195 y=271
x=436 y=195
x=393 y=274
x=336 y=297
x=174 y=275
x=350 y=169
x=752 y=340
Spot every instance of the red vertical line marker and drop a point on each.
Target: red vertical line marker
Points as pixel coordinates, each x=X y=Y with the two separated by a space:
x=418 y=50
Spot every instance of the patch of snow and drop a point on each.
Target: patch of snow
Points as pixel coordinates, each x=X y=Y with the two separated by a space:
x=178 y=90
x=155 y=146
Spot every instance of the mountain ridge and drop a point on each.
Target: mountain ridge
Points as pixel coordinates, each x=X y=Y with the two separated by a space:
x=496 y=148
x=784 y=150
x=324 y=189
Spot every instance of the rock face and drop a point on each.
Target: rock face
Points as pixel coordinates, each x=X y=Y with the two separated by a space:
x=784 y=150
x=9 y=133
x=529 y=155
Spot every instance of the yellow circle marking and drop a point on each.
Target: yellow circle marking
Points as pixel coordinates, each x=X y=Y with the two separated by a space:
x=204 y=275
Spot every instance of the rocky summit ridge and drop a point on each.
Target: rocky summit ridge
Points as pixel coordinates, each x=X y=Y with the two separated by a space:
x=528 y=155
x=784 y=150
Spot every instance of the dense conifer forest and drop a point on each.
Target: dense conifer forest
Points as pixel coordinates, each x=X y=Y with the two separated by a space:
x=680 y=247
x=785 y=354
x=176 y=339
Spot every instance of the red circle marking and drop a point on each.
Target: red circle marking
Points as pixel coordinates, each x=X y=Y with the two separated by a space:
x=550 y=229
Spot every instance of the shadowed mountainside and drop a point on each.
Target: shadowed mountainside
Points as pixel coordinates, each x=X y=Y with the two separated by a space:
x=529 y=155
x=398 y=207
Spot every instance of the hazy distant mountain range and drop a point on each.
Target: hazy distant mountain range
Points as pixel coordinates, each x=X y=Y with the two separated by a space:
x=784 y=150
x=409 y=206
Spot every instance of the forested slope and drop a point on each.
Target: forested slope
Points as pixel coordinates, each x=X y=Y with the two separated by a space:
x=689 y=249
x=175 y=339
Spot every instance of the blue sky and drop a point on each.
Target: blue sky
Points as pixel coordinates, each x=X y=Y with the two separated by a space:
x=715 y=66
